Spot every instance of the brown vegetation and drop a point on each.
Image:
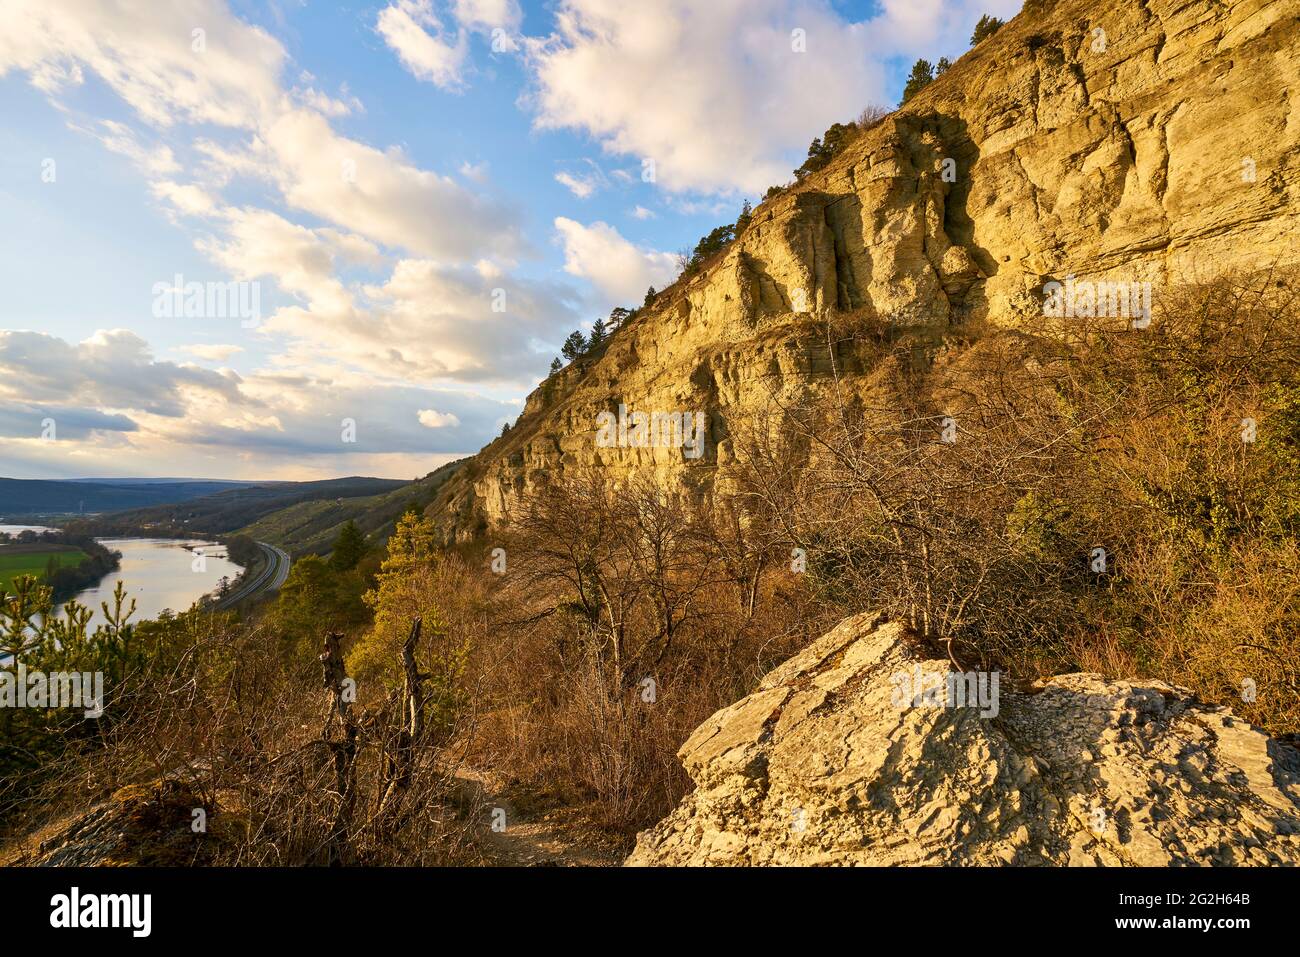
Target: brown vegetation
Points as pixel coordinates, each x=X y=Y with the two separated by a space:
x=1069 y=495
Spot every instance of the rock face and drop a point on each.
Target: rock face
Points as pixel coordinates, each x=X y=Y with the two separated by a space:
x=1112 y=140
x=831 y=761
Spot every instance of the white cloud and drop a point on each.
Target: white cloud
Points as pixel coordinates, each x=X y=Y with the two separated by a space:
x=433 y=419
x=112 y=370
x=158 y=160
x=146 y=54
x=382 y=195
x=581 y=187
x=367 y=349
x=616 y=267
x=213 y=352
x=149 y=55
x=184 y=197
x=437 y=56
x=258 y=242
x=477 y=172
x=486 y=14
x=715 y=93
x=640 y=212
x=586 y=183
x=112 y=402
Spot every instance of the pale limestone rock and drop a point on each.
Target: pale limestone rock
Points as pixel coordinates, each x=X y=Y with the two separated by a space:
x=1122 y=161
x=820 y=766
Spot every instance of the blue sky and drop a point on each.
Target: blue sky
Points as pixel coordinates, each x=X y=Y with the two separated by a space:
x=426 y=195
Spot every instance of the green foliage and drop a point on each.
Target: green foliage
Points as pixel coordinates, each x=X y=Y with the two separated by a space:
x=242 y=550
x=824 y=148
x=1278 y=448
x=404 y=590
x=942 y=66
x=985 y=28
x=921 y=76
x=311 y=526
x=66 y=561
x=598 y=334
x=41 y=562
x=745 y=217
x=1040 y=529
x=46 y=643
x=717 y=240
x=650 y=297
x=349 y=547
x=556 y=365
x=574 y=346
x=318 y=597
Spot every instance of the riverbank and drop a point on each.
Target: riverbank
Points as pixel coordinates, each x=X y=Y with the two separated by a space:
x=68 y=563
x=36 y=560
x=162 y=575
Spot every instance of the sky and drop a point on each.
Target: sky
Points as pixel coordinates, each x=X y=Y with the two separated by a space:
x=299 y=240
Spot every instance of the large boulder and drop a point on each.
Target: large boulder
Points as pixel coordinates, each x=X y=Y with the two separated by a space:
x=842 y=757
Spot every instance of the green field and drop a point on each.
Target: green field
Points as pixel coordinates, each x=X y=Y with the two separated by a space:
x=16 y=562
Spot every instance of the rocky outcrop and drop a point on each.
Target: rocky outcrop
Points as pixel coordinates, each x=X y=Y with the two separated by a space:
x=840 y=758
x=1112 y=140
x=139 y=825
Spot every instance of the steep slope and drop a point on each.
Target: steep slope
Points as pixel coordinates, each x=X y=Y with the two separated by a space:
x=311 y=527
x=1122 y=140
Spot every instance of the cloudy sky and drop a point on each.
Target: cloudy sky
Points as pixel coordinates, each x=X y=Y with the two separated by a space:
x=417 y=200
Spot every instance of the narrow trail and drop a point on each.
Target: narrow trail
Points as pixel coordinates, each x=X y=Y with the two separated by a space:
x=543 y=840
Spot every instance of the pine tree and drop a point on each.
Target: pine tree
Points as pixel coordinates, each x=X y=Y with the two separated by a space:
x=574 y=346
x=650 y=296
x=556 y=365
x=349 y=547
x=598 y=334
x=405 y=587
x=942 y=66
x=922 y=74
x=985 y=28
x=743 y=220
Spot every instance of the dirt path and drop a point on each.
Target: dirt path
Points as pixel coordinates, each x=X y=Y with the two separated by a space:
x=516 y=839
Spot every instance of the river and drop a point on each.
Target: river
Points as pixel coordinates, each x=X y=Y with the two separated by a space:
x=159 y=573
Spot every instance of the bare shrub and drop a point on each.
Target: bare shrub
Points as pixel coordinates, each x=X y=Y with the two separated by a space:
x=626 y=630
x=1082 y=491
x=872 y=115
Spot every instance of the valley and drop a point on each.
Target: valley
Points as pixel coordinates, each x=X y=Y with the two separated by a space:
x=937 y=508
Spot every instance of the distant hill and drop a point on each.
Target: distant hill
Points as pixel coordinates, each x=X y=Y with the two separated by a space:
x=51 y=497
x=311 y=527
x=229 y=483
x=231 y=509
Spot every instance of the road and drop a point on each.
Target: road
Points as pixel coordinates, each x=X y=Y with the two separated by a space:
x=269 y=579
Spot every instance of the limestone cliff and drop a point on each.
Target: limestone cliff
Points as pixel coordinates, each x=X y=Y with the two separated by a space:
x=826 y=763
x=1121 y=140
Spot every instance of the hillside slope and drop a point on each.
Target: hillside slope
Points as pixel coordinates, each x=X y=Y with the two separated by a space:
x=231 y=510
x=311 y=527
x=1127 y=141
